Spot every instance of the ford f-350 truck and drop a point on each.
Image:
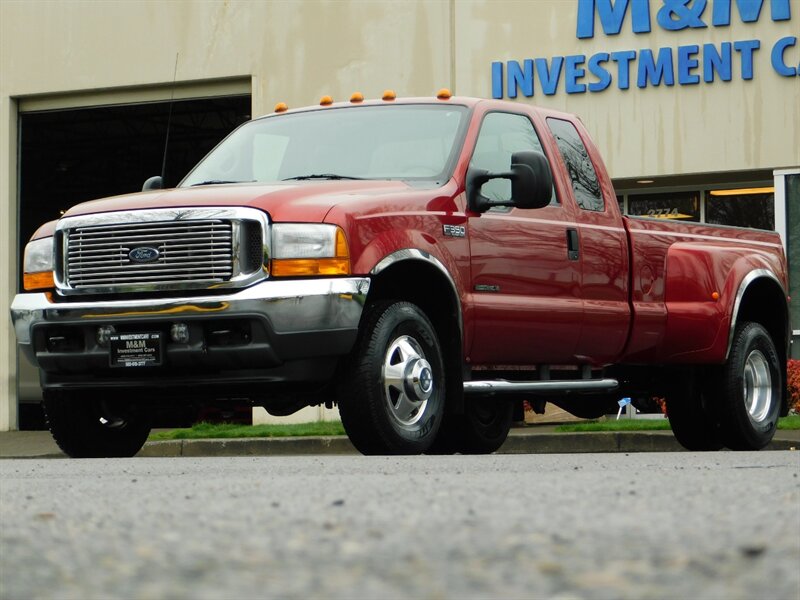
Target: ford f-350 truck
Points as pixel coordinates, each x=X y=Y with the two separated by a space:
x=425 y=264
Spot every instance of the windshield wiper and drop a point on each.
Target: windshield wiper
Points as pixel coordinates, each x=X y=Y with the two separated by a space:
x=218 y=181
x=320 y=176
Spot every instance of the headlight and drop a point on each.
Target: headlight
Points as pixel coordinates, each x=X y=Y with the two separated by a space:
x=37 y=266
x=302 y=249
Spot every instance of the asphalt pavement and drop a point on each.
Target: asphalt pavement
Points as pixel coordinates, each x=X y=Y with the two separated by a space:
x=632 y=526
x=535 y=439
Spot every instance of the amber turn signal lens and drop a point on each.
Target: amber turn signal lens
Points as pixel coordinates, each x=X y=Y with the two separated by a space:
x=301 y=267
x=281 y=107
x=38 y=281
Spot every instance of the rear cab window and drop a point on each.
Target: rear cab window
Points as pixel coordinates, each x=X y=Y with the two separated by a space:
x=582 y=174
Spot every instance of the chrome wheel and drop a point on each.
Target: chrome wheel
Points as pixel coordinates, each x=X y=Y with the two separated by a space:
x=392 y=395
x=757 y=386
x=748 y=389
x=407 y=380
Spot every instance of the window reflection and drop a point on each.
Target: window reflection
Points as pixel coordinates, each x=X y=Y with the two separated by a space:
x=585 y=184
x=742 y=210
x=682 y=206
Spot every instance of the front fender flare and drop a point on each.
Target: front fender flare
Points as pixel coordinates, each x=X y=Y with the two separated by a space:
x=421 y=255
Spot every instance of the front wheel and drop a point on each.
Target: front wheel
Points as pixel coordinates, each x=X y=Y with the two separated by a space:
x=89 y=427
x=392 y=397
x=749 y=389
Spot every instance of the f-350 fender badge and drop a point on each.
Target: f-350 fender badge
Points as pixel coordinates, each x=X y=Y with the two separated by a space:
x=455 y=230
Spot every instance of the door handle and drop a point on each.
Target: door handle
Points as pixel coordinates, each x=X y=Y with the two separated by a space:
x=573 y=244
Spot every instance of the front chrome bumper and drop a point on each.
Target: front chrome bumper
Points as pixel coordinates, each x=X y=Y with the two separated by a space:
x=290 y=307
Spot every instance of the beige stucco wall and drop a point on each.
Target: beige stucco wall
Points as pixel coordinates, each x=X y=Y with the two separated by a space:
x=295 y=51
x=71 y=53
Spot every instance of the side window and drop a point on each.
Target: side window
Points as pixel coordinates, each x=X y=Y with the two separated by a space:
x=585 y=185
x=501 y=135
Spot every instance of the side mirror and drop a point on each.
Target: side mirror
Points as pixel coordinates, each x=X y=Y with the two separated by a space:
x=531 y=183
x=153 y=183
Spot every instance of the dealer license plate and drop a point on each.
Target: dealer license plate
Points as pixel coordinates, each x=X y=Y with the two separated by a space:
x=135 y=349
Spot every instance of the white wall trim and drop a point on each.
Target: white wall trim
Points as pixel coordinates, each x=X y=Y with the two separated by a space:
x=183 y=90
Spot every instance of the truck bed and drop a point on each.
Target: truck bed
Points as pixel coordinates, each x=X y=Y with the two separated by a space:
x=676 y=270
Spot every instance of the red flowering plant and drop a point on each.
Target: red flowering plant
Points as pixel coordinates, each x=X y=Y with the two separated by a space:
x=793 y=384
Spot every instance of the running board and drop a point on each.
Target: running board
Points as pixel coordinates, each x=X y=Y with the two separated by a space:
x=566 y=386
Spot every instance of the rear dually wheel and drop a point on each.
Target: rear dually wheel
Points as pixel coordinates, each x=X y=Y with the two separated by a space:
x=749 y=389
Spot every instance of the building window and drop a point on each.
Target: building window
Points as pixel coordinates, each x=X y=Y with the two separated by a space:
x=682 y=206
x=753 y=207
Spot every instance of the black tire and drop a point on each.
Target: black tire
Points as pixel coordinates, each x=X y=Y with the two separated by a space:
x=392 y=395
x=482 y=429
x=749 y=390
x=87 y=427
x=690 y=414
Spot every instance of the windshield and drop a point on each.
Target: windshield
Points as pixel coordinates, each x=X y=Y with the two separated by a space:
x=366 y=142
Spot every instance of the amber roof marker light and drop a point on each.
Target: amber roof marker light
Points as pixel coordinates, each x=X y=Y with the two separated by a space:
x=357 y=97
x=444 y=94
x=281 y=107
x=325 y=101
x=389 y=95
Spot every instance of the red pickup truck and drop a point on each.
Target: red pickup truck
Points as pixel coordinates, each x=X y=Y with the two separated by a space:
x=424 y=264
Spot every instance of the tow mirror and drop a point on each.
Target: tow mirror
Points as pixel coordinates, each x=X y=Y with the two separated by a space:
x=153 y=183
x=531 y=183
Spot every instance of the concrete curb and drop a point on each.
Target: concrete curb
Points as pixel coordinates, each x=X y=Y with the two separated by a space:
x=39 y=444
x=296 y=446
x=534 y=443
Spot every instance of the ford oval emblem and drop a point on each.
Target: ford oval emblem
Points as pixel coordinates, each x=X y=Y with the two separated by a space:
x=144 y=254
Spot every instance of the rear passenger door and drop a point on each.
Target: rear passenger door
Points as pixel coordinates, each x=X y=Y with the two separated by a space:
x=525 y=284
x=603 y=247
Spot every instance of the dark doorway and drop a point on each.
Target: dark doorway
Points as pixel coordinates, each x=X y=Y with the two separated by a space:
x=70 y=156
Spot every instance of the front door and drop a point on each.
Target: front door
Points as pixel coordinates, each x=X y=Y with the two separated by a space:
x=525 y=282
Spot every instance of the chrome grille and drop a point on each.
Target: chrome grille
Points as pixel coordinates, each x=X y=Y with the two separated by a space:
x=189 y=252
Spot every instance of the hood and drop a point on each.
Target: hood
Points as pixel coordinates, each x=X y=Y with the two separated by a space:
x=307 y=201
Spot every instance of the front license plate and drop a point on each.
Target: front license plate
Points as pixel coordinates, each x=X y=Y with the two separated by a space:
x=135 y=349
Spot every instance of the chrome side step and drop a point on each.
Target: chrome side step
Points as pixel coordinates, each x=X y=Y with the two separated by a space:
x=566 y=386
